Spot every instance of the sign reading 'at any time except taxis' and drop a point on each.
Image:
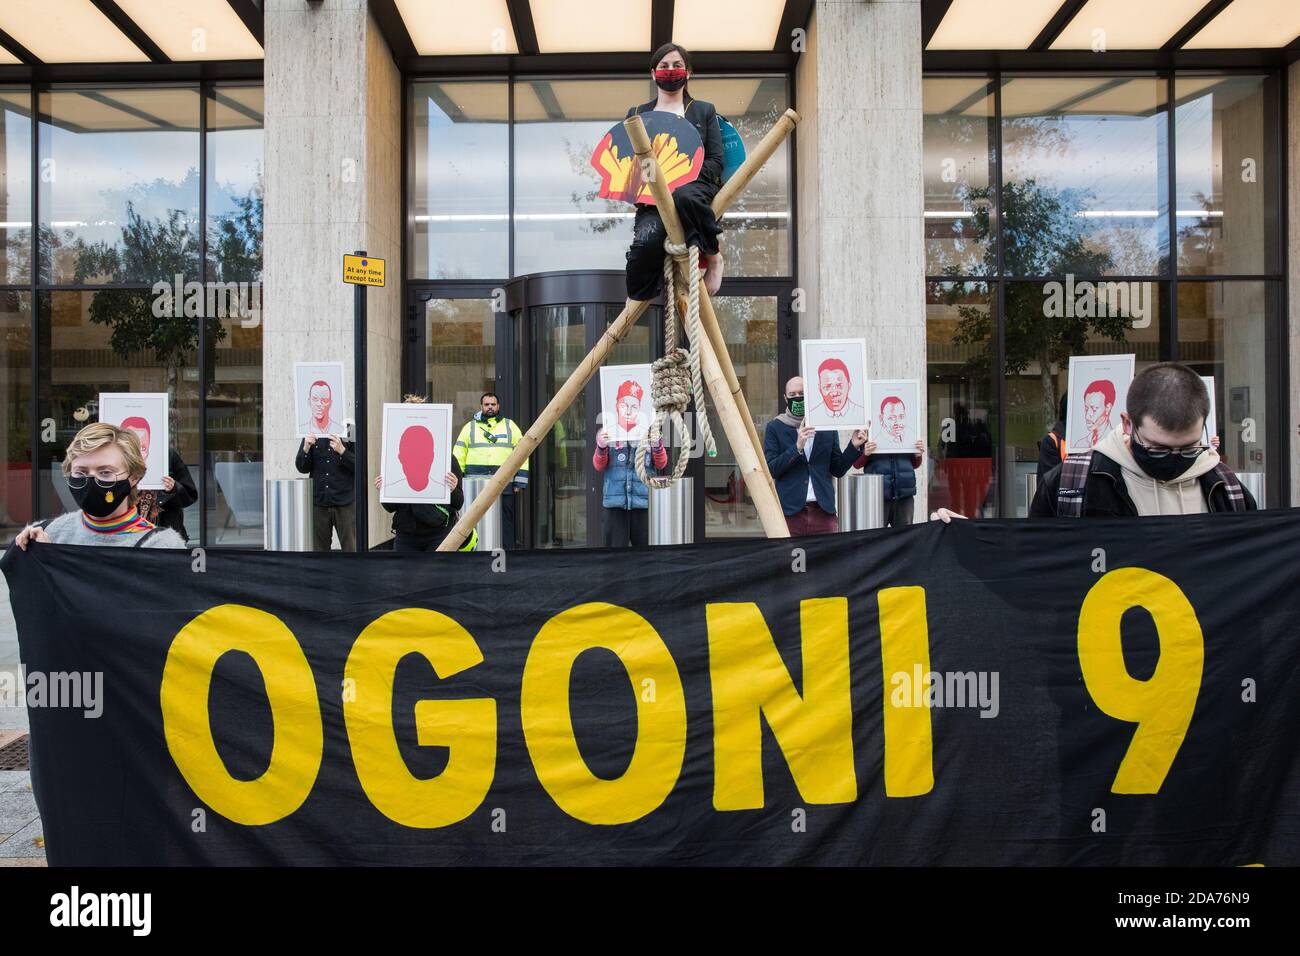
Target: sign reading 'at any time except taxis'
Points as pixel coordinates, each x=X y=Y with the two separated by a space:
x=363 y=270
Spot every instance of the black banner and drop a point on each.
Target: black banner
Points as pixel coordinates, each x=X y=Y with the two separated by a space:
x=1087 y=692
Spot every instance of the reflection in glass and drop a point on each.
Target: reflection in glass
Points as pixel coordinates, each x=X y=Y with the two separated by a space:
x=15 y=185
x=1085 y=189
x=88 y=343
x=1222 y=332
x=749 y=325
x=560 y=465
x=962 y=399
x=15 y=413
x=459 y=187
x=958 y=117
x=120 y=199
x=460 y=355
x=1219 y=129
x=235 y=184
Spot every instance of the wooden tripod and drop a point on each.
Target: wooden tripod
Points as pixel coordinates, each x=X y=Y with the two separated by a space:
x=715 y=361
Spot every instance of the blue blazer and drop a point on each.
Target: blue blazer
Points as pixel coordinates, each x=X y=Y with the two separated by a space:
x=791 y=468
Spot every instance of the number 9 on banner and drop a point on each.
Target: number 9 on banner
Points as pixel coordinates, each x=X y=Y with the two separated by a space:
x=1161 y=705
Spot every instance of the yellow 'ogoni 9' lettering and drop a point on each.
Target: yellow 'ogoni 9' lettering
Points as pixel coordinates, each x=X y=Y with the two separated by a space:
x=548 y=727
x=467 y=727
x=749 y=679
x=905 y=649
x=1162 y=705
x=295 y=712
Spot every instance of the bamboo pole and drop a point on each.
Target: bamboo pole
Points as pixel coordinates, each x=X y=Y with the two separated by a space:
x=632 y=311
x=749 y=455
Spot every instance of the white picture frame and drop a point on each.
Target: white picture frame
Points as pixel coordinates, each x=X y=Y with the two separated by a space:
x=126 y=410
x=631 y=382
x=1089 y=420
x=895 y=425
x=1212 y=420
x=307 y=379
x=834 y=369
x=415 y=454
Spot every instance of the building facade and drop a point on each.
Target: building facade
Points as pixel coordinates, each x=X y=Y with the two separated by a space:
x=978 y=188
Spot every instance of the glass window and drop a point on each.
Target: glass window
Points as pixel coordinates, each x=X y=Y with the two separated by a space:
x=756 y=230
x=560 y=221
x=119 y=189
x=15 y=185
x=559 y=467
x=1222 y=331
x=107 y=341
x=15 y=412
x=962 y=432
x=460 y=354
x=749 y=326
x=459 y=188
x=234 y=399
x=1084 y=168
x=958 y=201
x=1221 y=174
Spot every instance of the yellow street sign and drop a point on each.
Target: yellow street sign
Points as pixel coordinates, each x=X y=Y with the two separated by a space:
x=363 y=270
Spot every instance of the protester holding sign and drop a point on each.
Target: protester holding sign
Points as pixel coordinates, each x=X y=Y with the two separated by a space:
x=330 y=462
x=1156 y=464
x=670 y=68
x=626 y=498
x=103 y=467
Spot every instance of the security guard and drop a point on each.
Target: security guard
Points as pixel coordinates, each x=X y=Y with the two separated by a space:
x=482 y=447
x=330 y=462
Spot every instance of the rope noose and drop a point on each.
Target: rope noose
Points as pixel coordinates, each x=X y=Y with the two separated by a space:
x=676 y=377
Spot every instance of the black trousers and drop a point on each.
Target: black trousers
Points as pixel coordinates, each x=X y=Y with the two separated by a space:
x=645 y=258
x=627 y=526
x=416 y=542
x=508 y=519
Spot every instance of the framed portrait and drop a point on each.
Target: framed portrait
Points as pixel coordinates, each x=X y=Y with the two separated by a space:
x=1211 y=420
x=895 y=406
x=1097 y=386
x=834 y=383
x=144 y=413
x=415 y=454
x=320 y=399
x=626 y=407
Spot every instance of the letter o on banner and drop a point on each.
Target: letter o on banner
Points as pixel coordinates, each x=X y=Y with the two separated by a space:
x=548 y=726
x=295 y=711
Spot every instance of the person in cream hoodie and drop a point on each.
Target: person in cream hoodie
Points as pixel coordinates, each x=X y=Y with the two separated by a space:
x=1155 y=464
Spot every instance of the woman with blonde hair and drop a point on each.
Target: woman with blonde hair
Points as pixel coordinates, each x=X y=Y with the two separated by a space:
x=422 y=527
x=103 y=467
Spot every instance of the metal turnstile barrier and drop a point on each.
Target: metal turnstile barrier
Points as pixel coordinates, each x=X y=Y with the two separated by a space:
x=287 y=510
x=490 y=528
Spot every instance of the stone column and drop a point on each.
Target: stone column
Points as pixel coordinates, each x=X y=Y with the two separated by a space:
x=333 y=185
x=860 y=186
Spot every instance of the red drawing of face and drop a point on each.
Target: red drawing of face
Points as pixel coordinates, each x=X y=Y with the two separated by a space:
x=1098 y=400
x=627 y=405
x=833 y=383
x=893 y=417
x=320 y=398
x=415 y=454
x=141 y=428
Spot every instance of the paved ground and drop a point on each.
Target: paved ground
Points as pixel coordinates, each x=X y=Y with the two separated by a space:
x=21 y=840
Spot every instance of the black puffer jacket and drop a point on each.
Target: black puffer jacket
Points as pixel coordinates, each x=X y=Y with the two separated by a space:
x=429 y=521
x=1106 y=496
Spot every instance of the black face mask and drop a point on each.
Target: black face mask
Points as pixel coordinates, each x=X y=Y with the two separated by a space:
x=98 y=501
x=796 y=406
x=1161 y=469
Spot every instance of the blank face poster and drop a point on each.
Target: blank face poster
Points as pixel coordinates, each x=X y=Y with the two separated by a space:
x=835 y=383
x=1098 y=387
x=895 y=414
x=144 y=413
x=416 y=454
x=320 y=402
x=626 y=409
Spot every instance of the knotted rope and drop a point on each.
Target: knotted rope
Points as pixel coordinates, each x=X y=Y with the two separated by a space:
x=676 y=377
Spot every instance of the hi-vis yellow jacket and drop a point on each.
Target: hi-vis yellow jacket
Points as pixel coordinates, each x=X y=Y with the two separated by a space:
x=483 y=446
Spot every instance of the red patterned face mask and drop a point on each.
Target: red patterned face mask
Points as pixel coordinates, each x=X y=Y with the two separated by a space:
x=670 y=80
